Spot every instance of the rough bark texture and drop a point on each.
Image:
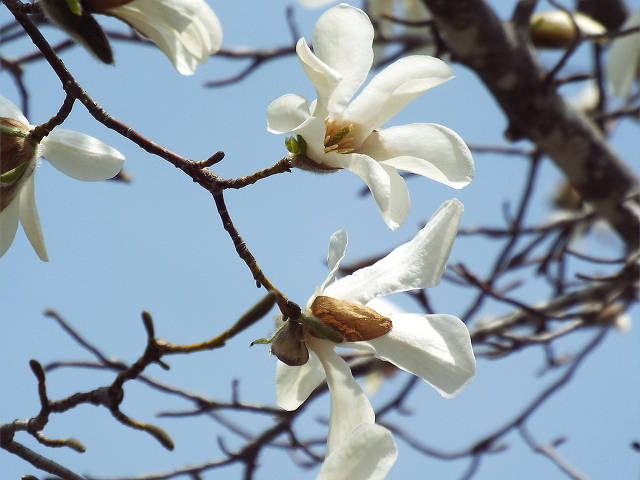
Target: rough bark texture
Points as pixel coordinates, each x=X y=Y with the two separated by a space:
x=507 y=64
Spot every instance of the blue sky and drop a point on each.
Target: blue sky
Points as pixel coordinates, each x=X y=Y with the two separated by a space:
x=157 y=244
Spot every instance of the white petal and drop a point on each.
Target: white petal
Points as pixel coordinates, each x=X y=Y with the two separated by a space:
x=394 y=88
x=418 y=263
x=372 y=173
x=8 y=225
x=324 y=78
x=295 y=384
x=30 y=219
x=399 y=201
x=368 y=454
x=342 y=39
x=164 y=23
x=349 y=405
x=426 y=149
x=8 y=109
x=287 y=113
x=337 y=250
x=437 y=348
x=81 y=156
x=624 y=59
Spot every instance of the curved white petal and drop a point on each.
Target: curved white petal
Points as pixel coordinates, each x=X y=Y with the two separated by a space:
x=349 y=405
x=343 y=39
x=81 y=156
x=8 y=224
x=337 y=250
x=372 y=173
x=30 y=219
x=8 y=109
x=295 y=384
x=323 y=78
x=437 y=348
x=624 y=59
x=399 y=201
x=426 y=149
x=394 y=88
x=418 y=263
x=287 y=113
x=313 y=131
x=187 y=31
x=367 y=454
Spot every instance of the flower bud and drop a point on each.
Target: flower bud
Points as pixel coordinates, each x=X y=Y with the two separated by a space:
x=353 y=321
x=555 y=28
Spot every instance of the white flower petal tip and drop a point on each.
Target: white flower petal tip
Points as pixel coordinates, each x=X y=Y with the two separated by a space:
x=79 y=156
x=342 y=132
x=367 y=454
x=418 y=263
x=187 y=31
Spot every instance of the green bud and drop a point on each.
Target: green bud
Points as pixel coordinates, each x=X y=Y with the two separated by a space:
x=296 y=145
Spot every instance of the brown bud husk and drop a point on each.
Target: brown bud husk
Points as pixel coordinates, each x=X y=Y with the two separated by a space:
x=16 y=153
x=355 y=322
x=288 y=346
x=14 y=149
x=97 y=6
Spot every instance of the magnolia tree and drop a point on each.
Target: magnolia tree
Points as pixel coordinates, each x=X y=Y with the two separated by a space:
x=238 y=371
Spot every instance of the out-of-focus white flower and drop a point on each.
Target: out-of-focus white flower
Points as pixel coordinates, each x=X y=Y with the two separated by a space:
x=436 y=348
x=187 y=31
x=75 y=154
x=336 y=133
x=623 y=65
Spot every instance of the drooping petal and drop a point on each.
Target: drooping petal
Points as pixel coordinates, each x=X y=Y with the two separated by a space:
x=367 y=454
x=287 y=113
x=349 y=405
x=399 y=201
x=30 y=219
x=8 y=109
x=426 y=149
x=371 y=172
x=394 y=88
x=295 y=384
x=81 y=156
x=624 y=59
x=337 y=250
x=418 y=263
x=8 y=225
x=437 y=348
x=343 y=39
x=324 y=78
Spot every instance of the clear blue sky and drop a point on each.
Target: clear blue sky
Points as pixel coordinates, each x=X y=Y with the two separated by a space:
x=157 y=244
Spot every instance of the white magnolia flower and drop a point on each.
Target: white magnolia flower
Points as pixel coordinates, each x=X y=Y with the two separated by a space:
x=187 y=31
x=436 y=348
x=339 y=133
x=75 y=154
x=623 y=66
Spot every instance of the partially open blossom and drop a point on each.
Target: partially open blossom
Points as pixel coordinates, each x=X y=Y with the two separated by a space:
x=623 y=65
x=436 y=348
x=75 y=154
x=336 y=133
x=187 y=31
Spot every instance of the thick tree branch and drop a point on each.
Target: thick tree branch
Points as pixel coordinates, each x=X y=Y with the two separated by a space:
x=507 y=64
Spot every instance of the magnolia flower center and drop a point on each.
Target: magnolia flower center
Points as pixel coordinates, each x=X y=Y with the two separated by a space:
x=338 y=137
